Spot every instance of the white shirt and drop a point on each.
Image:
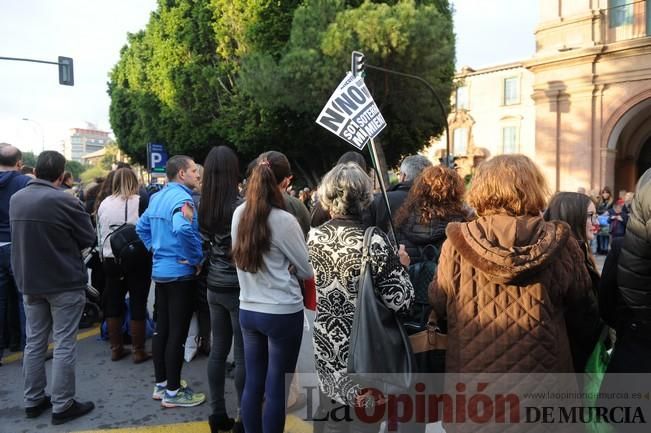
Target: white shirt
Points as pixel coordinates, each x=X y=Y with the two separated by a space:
x=110 y=216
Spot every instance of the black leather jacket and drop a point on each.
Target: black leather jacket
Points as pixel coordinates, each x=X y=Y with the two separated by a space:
x=222 y=275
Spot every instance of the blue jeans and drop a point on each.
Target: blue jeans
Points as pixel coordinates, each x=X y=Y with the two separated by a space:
x=271 y=346
x=7 y=286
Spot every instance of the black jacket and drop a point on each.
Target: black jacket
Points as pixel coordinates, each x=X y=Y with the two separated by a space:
x=49 y=229
x=634 y=278
x=10 y=182
x=633 y=345
x=415 y=236
x=396 y=195
x=222 y=275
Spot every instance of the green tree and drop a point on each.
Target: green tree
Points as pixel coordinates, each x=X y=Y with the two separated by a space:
x=255 y=74
x=75 y=168
x=408 y=36
x=91 y=173
x=29 y=159
x=165 y=87
x=110 y=156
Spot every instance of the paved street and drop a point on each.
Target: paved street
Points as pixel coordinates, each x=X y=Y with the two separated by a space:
x=122 y=393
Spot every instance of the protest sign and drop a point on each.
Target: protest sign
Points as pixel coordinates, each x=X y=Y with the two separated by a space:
x=351 y=113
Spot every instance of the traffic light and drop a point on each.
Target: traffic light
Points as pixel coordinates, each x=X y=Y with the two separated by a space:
x=357 y=64
x=66 y=74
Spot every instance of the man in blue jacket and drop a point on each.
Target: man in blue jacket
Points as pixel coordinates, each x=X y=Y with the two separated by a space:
x=49 y=230
x=11 y=180
x=170 y=230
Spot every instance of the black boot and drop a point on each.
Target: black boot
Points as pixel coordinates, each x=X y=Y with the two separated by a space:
x=220 y=423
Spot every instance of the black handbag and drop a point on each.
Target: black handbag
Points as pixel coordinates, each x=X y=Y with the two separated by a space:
x=128 y=250
x=380 y=354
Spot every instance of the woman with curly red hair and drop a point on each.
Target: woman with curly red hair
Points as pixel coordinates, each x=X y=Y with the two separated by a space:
x=434 y=200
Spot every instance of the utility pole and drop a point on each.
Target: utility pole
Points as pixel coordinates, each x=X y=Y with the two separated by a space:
x=65 y=64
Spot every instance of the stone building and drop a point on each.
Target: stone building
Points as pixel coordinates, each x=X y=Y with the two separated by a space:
x=590 y=85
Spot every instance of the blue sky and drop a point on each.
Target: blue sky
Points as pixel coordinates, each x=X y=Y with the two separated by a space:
x=489 y=32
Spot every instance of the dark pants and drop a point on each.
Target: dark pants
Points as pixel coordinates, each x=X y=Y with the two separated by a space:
x=12 y=313
x=119 y=283
x=271 y=346
x=631 y=354
x=225 y=320
x=174 y=305
x=602 y=243
x=202 y=310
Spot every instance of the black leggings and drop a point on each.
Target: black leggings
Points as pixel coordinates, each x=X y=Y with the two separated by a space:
x=119 y=283
x=175 y=303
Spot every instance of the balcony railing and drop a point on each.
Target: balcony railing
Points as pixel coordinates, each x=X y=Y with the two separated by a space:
x=627 y=21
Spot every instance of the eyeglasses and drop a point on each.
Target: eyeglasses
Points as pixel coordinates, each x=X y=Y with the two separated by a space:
x=592 y=217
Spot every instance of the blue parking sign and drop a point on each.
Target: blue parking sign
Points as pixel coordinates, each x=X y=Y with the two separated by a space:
x=156 y=158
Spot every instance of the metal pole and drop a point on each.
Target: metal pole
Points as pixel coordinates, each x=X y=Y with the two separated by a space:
x=376 y=166
x=438 y=100
x=28 y=60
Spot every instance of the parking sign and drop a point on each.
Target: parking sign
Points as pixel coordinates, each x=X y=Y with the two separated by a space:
x=156 y=157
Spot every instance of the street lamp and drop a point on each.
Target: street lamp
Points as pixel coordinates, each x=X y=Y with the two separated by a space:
x=42 y=134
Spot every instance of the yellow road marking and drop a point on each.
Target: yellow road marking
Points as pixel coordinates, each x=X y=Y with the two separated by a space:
x=80 y=336
x=188 y=427
x=293 y=424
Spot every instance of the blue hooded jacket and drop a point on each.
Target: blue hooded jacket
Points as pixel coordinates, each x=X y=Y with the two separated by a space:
x=175 y=241
x=10 y=182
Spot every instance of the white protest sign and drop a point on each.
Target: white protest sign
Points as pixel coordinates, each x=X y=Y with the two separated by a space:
x=351 y=113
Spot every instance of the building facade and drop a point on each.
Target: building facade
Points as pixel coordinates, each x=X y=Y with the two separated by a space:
x=584 y=107
x=592 y=91
x=84 y=141
x=492 y=113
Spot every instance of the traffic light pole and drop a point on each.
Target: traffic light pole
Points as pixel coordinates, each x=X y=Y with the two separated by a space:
x=383 y=190
x=357 y=69
x=438 y=100
x=65 y=64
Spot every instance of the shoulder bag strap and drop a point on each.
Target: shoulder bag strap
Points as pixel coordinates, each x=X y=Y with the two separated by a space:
x=126 y=204
x=366 y=256
x=366 y=245
x=100 y=241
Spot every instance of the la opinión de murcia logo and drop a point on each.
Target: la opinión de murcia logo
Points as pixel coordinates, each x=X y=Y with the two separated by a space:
x=478 y=407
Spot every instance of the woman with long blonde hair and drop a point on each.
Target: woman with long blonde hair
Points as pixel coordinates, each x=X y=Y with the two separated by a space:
x=123 y=207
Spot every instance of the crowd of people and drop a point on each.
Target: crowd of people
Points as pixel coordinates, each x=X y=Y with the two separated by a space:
x=502 y=250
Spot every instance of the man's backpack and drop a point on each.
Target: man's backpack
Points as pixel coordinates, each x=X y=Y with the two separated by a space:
x=421 y=275
x=128 y=250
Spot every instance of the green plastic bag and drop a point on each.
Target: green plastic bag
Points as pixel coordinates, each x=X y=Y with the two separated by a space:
x=595 y=369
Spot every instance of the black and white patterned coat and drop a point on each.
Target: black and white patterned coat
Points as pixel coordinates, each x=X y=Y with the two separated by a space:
x=336 y=255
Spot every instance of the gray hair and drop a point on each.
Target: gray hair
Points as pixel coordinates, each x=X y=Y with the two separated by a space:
x=413 y=165
x=345 y=190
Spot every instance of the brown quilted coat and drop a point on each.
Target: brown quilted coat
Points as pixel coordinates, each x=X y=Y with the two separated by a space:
x=503 y=284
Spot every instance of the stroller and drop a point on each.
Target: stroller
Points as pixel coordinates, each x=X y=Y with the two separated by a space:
x=92 y=312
